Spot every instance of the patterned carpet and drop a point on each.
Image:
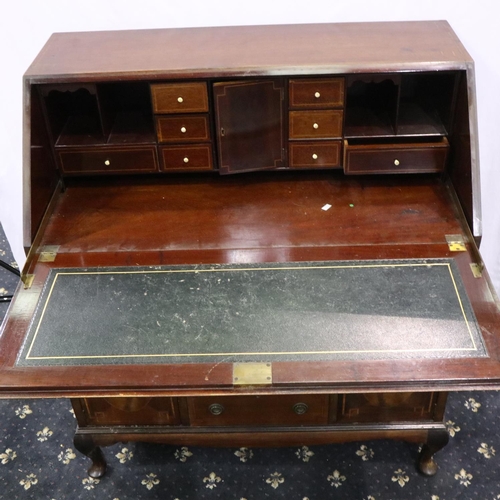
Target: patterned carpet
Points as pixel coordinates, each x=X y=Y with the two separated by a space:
x=38 y=459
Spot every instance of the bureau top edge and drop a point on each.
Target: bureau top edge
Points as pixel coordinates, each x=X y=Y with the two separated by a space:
x=218 y=73
x=250 y=51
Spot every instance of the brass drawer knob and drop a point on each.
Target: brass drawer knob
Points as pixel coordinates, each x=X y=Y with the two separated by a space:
x=183 y=130
x=314 y=156
x=180 y=99
x=315 y=126
x=107 y=163
x=317 y=95
x=186 y=159
x=300 y=408
x=396 y=162
x=215 y=409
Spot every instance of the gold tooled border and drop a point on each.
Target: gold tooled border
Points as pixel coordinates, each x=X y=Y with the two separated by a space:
x=260 y=353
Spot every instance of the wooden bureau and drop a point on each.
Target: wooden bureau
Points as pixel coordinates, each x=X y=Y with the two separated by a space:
x=249 y=236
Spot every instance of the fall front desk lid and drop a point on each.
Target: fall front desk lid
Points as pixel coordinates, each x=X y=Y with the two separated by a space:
x=390 y=309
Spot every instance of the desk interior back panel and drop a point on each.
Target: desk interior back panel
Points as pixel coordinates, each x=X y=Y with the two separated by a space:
x=392 y=309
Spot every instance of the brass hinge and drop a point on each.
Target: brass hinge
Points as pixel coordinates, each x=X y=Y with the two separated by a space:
x=27 y=279
x=456 y=242
x=477 y=270
x=48 y=253
x=252 y=373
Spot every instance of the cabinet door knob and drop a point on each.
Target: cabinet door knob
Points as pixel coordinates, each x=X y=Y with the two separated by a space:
x=315 y=126
x=396 y=162
x=107 y=163
x=314 y=156
x=186 y=159
x=183 y=130
x=300 y=408
x=180 y=99
x=215 y=409
x=317 y=95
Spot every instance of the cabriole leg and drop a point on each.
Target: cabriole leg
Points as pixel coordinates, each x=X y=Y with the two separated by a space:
x=436 y=440
x=85 y=444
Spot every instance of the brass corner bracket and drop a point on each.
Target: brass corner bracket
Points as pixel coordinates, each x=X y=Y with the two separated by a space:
x=456 y=242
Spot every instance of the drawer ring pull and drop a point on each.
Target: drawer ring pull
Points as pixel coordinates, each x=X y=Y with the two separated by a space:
x=215 y=409
x=300 y=408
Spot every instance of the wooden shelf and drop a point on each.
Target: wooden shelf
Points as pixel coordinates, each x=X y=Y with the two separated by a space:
x=415 y=121
x=81 y=131
x=366 y=122
x=132 y=128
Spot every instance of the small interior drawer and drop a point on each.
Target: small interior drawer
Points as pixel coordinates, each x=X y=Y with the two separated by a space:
x=189 y=157
x=183 y=128
x=395 y=157
x=108 y=160
x=321 y=124
x=316 y=93
x=189 y=97
x=259 y=410
x=315 y=154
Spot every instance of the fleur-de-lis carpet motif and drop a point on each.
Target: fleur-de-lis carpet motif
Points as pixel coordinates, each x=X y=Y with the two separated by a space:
x=38 y=459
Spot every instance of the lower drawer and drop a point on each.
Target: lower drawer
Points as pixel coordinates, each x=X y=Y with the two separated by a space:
x=187 y=158
x=391 y=407
x=259 y=410
x=108 y=160
x=320 y=154
x=126 y=411
x=395 y=158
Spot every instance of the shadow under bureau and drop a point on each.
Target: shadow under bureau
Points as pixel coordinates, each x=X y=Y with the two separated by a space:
x=259 y=235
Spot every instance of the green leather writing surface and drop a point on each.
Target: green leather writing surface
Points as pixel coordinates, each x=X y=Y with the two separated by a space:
x=254 y=312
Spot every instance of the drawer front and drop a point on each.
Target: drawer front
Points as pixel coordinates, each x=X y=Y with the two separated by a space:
x=407 y=158
x=192 y=157
x=184 y=128
x=316 y=93
x=323 y=154
x=130 y=411
x=389 y=407
x=188 y=97
x=325 y=124
x=108 y=160
x=259 y=410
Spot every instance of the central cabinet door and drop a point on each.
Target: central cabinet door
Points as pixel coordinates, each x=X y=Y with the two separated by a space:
x=250 y=128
